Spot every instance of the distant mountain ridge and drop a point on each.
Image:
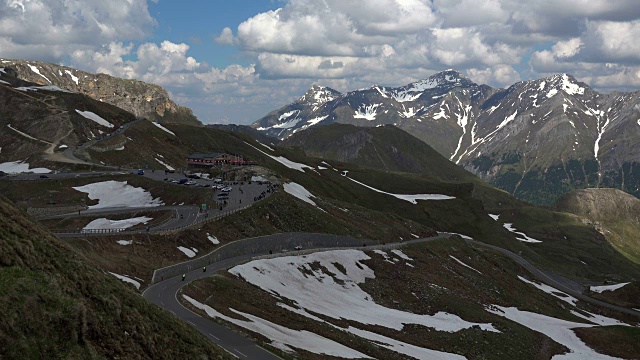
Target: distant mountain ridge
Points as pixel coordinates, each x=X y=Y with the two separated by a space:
x=536 y=139
x=137 y=97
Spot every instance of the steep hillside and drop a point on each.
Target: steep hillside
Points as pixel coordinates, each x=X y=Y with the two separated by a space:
x=139 y=98
x=385 y=148
x=40 y=123
x=537 y=139
x=55 y=305
x=614 y=212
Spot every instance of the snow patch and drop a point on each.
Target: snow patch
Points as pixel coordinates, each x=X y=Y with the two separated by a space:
x=126 y=279
x=73 y=77
x=167 y=166
x=124 y=242
x=190 y=253
x=463 y=264
x=159 y=126
x=282 y=337
x=37 y=71
x=94 y=117
x=105 y=224
x=523 y=236
x=410 y=198
x=284 y=161
x=336 y=293
x=551 y=93
x=367 y=112
x=603 y=288
x=494 y=217
x=300 y=192
x=557 y=329
x=551 y=291
x=213 y=239
x=118 y=194
x=18 y=167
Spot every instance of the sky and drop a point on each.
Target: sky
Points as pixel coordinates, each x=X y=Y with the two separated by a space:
x=235 y=61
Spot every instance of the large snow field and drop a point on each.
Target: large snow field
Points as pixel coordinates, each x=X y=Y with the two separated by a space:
x=118 y=194
x=557 y=329
x=17 y=167
x=282 y=337
x=335 y=294
x=104 y=223
x=603 y=288
x=410 y=198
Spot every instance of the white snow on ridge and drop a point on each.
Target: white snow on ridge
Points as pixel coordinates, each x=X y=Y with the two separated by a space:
x=73 y=77
x=94 y=117
x=126 y=279
x=569 y=87
x=300 y=192
x=37 y=71
x=316 y=120
x=551 y=291
x=288 y=114
x=17 y=167
x=118 y=194
x=163 y=128
x=336 y=294
x=267 y=146
x=494 y=217
x=284 y=161
x=410 y=198
x=598 y=319
x=523 y=236
x=124 y=242
x=288 y=124
x=282 y=337
x=603 y=288
x=557 y=329
x=190 y=253
x=104 y=223
x=367 y=112
x=552 y=92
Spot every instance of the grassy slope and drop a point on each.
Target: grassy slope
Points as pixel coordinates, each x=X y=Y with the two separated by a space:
x=436 y=283
x=54 y=305
x=616 y=213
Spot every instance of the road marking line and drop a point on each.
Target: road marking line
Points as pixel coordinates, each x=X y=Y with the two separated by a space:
x=239 y=352
x=213 y=336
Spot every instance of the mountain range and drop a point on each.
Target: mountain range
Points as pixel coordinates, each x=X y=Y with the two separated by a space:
x=536 y=139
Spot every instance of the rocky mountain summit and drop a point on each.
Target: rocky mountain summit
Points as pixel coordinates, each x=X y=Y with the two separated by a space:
x=536 y=139
x=137 y=97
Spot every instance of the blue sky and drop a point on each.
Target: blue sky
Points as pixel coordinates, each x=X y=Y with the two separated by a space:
x=235 y=61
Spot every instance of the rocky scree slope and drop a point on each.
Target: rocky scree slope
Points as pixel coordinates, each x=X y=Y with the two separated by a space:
x=536 y=139
x=139 y=98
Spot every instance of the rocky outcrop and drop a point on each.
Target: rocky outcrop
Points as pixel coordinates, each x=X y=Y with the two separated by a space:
x=137 y=97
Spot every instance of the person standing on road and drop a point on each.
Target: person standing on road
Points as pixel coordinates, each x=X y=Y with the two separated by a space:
x=204 y=269
x=184 y=276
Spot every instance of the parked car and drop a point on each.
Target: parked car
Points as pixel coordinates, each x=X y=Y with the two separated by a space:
x=183 y=181
x=190 y=183
x=140 y=172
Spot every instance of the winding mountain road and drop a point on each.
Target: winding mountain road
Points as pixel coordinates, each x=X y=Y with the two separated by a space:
x=164 y=292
